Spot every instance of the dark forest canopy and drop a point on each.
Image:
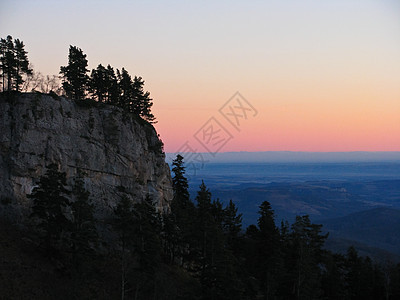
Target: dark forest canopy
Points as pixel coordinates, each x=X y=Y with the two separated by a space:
x=198 y=250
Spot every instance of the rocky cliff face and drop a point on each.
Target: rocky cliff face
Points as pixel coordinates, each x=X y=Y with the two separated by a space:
x=120 y=154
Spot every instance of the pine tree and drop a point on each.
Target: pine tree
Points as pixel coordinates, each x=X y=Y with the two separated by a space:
x=204 y=223
x=171 y=237
x=306 y=242
x=3 y=49
x=216 y=265
x=14 y=63
x=132 y=97
x=181 y=206
x=122 y=224
x=267 y=250
x=49 y=203
x=179 y=225
x=112 y=86
x=98 y=84
x=83 y=230
x=141 y=103
x=7 y=63
x=147 y=245
x=21 y=63
x=205 y=233
x=333 y=278
x=125 y=87
x=147 y=228
x=232 y=224
x=75 y=78
x=203 y=199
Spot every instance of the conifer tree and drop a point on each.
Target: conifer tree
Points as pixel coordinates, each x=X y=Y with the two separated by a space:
x=83 y=230
x=14 y=63
x=147 y=227
x=141 y=103
x=49 y=203
x=125 y=87
x=204 y=223
x=205 y=236
x=216 y=265
x=123 y=225
x=3 y=66
x=98 y=84
x=147 y=245
x=7 y=63
x=112 y=86
x=232 y=225
x=132 y=97
x=74 y=75
x=267 y=250
x=181 y=206
x=306 y=242
x=179 y=224
x=21 y=63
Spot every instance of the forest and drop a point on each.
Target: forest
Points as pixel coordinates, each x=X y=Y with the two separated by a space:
x=197 y=250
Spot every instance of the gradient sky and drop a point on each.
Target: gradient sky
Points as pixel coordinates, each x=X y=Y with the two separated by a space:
x=322 y=75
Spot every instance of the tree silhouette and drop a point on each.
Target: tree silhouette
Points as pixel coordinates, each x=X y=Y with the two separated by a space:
x=141 y=103
x=7 y=62
x=147 y=228
x=232 y=223
x=21 y=63
x=125 y=85
x=112 y=86
x=178 y=225
x=98 y=84
x=83 y=235
x=306 y=242
x=123 y=225
x=74 y=75
x=181 y=206
x=267 y=250
x=14 y=63
x=49 y=203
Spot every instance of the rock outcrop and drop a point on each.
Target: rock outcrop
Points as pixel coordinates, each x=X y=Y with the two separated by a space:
x=119 y=153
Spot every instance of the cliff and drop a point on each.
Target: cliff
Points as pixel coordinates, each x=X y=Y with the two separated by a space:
x=120 y=154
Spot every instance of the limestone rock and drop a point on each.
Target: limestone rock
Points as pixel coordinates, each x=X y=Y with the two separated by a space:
x=120 y=154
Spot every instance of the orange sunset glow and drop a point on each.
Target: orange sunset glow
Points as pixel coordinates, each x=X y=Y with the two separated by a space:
x=322 y=76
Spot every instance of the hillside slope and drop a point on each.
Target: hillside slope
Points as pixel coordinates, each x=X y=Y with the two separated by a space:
x=378 y=227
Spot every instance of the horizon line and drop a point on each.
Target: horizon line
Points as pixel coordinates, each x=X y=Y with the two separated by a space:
x=290 y=151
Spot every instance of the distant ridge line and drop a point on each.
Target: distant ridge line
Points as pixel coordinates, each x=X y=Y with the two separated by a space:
x=298 y=156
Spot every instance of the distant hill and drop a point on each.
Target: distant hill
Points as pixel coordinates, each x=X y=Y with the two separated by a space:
x=378 y=227
x=297 y=156
x=321 y=200
x=339 y=245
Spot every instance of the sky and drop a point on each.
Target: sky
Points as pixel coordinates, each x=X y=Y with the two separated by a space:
x=238 y=75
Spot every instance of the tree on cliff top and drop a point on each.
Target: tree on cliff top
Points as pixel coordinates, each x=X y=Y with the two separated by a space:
x=132 y=97
x=13 y=63
x=74 y=75
x=103 y=84
x=142 y=103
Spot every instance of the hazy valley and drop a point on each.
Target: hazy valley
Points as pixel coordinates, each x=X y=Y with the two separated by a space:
x=357 y=202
